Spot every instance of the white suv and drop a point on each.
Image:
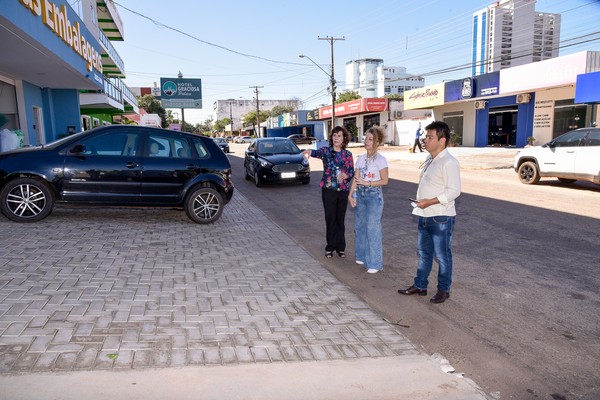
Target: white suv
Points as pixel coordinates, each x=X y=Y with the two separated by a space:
x=572 y=156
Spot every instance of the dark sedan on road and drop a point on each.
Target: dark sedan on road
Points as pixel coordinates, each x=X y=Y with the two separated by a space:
x=301 y=139
x=123 y=165
x=275 y=160
x=222 y=143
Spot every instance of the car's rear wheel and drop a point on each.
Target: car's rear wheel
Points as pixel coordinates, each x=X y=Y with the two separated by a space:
x=26 y=200
x=204 y=205
x=529 y=173
x=565 y=180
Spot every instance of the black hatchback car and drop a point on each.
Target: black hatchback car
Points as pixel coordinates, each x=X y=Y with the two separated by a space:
x=275 y=160
x=117 y=165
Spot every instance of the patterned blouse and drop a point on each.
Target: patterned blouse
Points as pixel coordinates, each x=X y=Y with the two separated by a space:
x=335 y=162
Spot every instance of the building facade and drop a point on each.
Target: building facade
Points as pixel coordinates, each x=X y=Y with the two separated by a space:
x=370 y=78
x=58 y=66
x=510 y=33
x=236 y=109
x=506 y=108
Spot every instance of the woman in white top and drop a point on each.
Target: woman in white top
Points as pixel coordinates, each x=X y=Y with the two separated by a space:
x=371 y=174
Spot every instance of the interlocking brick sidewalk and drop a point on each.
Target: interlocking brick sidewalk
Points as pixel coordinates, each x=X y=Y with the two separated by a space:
x=101 y=289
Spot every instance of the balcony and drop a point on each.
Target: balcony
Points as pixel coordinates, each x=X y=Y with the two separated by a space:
x=109 y=20
x=116 y=95
x=112 y=64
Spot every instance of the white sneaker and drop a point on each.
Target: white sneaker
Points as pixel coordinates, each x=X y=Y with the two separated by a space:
x=360 y=262
x=372 y=271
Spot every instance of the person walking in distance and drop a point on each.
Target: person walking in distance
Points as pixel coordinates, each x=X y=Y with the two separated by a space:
x=439 y=186
x=338 y=171
x=418 y=139
x=366 y=195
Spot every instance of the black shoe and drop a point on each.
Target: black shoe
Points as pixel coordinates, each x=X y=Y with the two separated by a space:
x=440 y=297
x=413 y=290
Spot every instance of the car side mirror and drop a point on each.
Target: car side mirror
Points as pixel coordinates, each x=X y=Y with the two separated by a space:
x=78 y=148
x=251 y=153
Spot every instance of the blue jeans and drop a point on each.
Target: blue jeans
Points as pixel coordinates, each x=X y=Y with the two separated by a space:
x=368 y=246
x=434 y=241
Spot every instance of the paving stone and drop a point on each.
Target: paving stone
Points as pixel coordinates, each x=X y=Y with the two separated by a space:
x=107 y=290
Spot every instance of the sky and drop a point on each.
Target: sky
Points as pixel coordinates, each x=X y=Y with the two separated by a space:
x=234 y=45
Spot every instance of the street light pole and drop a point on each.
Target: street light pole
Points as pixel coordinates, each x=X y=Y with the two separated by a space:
x=331 y=74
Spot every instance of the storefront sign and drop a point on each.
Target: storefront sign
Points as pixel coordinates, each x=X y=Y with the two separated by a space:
x=425 y=97
x=586 y=90
x=553 y=72
x=181 y=93
x=355 y=107
x=477 y=86
x=56 y=18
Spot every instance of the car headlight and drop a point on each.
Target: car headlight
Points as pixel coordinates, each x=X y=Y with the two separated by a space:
x=265 y=164
x=305 y=162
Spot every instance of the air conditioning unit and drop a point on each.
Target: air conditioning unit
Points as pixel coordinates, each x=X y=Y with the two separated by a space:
x=480 y=104
x=523 y=98
x=397 y=114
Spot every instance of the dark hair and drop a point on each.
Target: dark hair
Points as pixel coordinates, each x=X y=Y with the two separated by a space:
x=345 y=134
x=441 y=129
x=378 y=135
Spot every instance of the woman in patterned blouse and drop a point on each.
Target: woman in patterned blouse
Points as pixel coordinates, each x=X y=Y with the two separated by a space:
x=338 y=171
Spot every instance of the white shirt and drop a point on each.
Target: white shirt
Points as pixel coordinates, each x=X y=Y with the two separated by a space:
x=369 y=169
x=440 y=179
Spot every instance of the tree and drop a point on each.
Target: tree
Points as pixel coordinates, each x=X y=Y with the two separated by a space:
x=153 y=106
x=347 y=96
x=220 y=124
x=280 y=110
x=250 y=118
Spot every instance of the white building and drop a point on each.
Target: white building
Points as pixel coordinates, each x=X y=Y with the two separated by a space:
x=236 y=109
x=370 y=78
x=510 y=33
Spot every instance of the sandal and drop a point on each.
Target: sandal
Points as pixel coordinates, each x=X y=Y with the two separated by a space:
x=329 y=254
x=341 y=254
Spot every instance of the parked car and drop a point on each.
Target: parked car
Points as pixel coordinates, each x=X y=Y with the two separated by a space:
x=222 y=143
x=244 y=139
x=275 y=160
x=124 y=165
x=229 y=139
x=301 y=139
x=572 y=156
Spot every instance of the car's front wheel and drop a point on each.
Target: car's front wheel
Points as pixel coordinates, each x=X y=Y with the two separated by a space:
x=26 y=200
x=204 y=205
x=529 y=173
x=257 y=180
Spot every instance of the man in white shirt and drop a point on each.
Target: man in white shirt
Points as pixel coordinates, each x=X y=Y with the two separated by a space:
x=439 y=186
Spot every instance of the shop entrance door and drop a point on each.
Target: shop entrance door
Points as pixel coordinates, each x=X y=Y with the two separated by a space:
x=502 y=127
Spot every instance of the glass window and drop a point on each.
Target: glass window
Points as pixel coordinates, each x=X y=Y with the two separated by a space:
x=571 y=139
x=168 y=146
x=200 y=148
x=111 y=144
x=593 y=139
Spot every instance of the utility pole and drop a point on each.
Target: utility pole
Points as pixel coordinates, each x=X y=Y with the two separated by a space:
x=332 y=39
x=180 y=75
x=257 y=110
x=231 y=101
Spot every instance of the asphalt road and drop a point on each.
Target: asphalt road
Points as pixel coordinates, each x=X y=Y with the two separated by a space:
x=523 y=318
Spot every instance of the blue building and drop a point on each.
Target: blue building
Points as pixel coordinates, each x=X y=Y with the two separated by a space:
x=57 y=60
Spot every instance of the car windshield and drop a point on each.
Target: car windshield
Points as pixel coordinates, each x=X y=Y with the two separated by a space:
x=277 y=147
x=219 y=140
